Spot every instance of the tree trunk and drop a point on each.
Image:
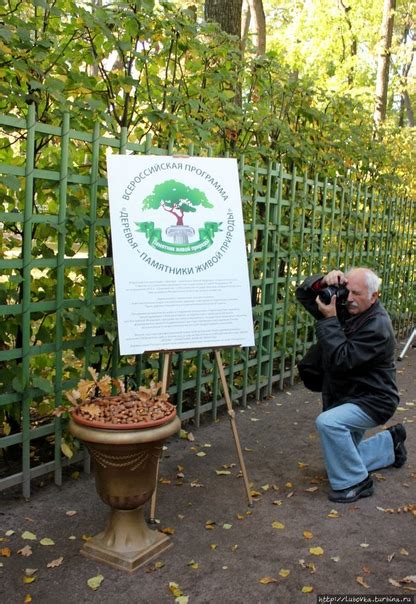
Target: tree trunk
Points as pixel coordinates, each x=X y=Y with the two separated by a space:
x=259 y=25
x=382 y=80
x=227 y=13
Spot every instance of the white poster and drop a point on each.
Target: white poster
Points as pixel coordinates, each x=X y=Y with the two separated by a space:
x=179 y=253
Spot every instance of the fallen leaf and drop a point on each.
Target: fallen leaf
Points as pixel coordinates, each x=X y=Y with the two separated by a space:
x=408 y=579
x=394 y=582
x=404 y=552
x=182 y=600
x=168 y=530
x=227 y=526
x=6 y=552
x=278 y=525
x=47 y=541
x=55 y=563
x=365 y=545
x=175 y=589
x=222 y=472
x=333 y=514
x=71 y=513
x=213 y=545
x=316 y=551
x=311 y=489
x=9 y=533
x=307 y=534
x=193 y=564
x=277 y=502
x=284 y=572
x=307 y=589
x=25 y=551
x=29 y=579
x=265 y=487
x=267 y=580
x=234 y=547
x=360 y=581
x=95 y=582
x=28 y=599
x=86 y=537
x=335 y=558
x=390 y=557
x=201 y=454
x=210 y=524
x=29 y=536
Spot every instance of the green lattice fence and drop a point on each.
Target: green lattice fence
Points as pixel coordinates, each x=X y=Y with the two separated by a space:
x=56 y=285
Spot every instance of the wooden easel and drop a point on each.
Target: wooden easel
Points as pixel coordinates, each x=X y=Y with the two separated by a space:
x=231 y=414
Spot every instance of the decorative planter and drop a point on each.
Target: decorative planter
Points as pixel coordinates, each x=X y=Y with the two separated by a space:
x=125 y=463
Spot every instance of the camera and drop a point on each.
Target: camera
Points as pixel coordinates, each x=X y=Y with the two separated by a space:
x=326 y=294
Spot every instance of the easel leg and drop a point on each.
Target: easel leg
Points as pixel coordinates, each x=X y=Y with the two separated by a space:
x=407 y=345
x=231 y=415
x=165 y=384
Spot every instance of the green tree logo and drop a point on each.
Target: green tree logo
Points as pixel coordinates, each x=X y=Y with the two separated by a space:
x=177 y=199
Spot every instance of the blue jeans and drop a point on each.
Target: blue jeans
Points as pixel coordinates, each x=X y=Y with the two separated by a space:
x=349 y=458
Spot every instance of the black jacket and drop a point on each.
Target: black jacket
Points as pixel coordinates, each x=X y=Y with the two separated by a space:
x=356 y=355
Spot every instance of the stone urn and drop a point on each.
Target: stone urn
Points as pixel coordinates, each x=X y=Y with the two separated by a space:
x=125 y=461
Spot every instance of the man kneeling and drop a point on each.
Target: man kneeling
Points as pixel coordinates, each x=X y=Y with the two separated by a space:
x=354 y=360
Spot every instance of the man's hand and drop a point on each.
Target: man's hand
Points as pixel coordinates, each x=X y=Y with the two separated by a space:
x=334 y=277
x=328 y=310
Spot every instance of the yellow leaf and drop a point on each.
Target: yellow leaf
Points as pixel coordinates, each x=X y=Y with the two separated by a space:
x=6 y=429
x=66 y=450
x=307 y=589
x=213 y=545
x=360 y=581
x=227 y=526
x=182 y=600
x=9 y=533
x=193 y=564
x=47 y=541
x=29 y=536
x=222 y=472
x=307 y=534
x=168 y=530
x=29 y=579
x=316 y=551
x=265 y=487
x=284 y=572
x=267 y=580
x=201 y=454
x=175 y=589
x=278 y=525
x=6 y=552
x=86 y=537
x=254 y=493
x=333 y=514
x=28 y=599
x=210 y=524
x=95 y=582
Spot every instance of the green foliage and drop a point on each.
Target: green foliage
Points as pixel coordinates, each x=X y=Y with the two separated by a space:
x=148 y=69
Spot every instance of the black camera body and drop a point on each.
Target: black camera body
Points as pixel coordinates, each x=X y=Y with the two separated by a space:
x=340 y=292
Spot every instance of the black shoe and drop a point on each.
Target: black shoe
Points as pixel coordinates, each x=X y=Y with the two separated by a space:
x=398 y=434
x=362 y=489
